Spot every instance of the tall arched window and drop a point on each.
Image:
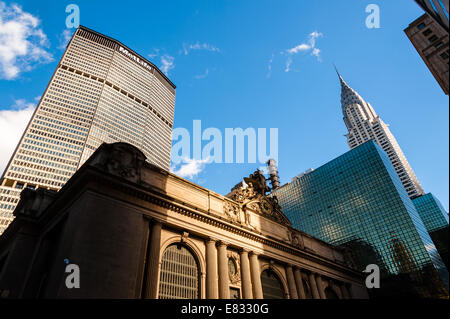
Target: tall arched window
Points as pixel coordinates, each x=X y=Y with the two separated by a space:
x=179 y=277
x=271 y=285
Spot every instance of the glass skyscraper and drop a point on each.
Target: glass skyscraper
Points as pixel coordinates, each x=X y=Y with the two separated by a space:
x=358 y=201
x=364 y=124
x=101 y=91
x=435 y=219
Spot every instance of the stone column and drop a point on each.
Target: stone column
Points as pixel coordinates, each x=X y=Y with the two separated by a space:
x=224 y=291
x=211 y=270
x=256 y=276
x=245 y=275
x=291 y=282
x=153 y=260
x=337 y=288
x=299 y=282
x=320 y=287
x=345 y=292
x=313 y=286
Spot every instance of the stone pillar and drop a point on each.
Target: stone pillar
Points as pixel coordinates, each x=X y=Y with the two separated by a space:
x=153 y=260
x=256 y=276
x=211 y=270
x=291 y=282
x=299 y=282
x=245 y=275
x=320 y=287
x=345 y=292
x=313 y=286
x=224 y=291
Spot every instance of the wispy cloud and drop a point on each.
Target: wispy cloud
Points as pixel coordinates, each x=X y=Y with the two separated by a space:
x=269 y=67
x=64 y=38
x=190 y=168
x=12 y=124
x=309 y=46
x=22 y=41
x=154 y=54
x=202 y=76
x=199 y=46
x=167 y=63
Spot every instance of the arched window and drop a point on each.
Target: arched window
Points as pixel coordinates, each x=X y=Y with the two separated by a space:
x=330 y=294
x=179 y=277
x=271 y=285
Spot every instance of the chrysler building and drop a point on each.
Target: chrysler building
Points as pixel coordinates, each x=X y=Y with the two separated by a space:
x=364 y=124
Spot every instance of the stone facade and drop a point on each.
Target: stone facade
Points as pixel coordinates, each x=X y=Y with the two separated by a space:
x=431 y=41
x=119 y=217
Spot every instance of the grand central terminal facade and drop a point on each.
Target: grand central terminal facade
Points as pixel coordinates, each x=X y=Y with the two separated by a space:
x=133 y=230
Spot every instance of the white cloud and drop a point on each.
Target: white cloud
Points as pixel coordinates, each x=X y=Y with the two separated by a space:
x=12 y=125
x=64 y=38
x=199 y=46
x=202 y=76
x=167 y=63
x=309 y=46
x=22 y=42
x=190 y=168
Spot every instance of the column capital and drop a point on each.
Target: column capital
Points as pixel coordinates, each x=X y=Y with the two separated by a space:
x=243 y=251
x=253 y=253
x=222 y=243
x=289 y=266
x=155 y=221
x=211 y=239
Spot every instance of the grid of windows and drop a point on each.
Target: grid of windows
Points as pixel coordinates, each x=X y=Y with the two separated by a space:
x=97 y=94
x=431 y=211
x=358 y=200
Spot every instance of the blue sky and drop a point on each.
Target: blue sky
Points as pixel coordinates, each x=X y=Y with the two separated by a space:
x=224 y=79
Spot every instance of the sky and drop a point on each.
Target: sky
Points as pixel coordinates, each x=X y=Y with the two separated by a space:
x=249 y=64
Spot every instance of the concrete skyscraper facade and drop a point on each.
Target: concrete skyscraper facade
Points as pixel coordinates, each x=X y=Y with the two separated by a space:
x=364 y=124
x=101 y=91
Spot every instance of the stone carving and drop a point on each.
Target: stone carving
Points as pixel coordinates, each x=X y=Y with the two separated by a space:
x=236 y=277
x=120 y=159
x=232 y=211
x=184 y=237
x=243 y=194
x=34 y=202
x=258 y=182
x=251 y=195
x=296 y=239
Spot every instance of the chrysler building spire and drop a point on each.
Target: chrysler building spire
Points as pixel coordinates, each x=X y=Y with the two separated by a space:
x=364 y=124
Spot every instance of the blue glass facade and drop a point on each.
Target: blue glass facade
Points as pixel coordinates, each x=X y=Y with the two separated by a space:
x=431 y=211
x=435 y=219
x=358 y=201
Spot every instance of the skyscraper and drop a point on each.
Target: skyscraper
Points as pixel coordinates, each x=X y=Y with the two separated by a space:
x=101 y=91
x=357 y=201
x=435 y=219
x=364 y=124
